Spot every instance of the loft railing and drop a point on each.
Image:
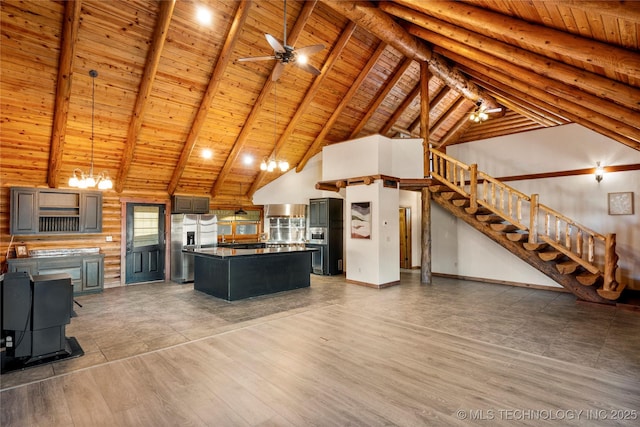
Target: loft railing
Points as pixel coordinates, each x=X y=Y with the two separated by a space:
x=593 y=251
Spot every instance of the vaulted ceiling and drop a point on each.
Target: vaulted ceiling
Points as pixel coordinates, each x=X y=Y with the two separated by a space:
x=169 y=87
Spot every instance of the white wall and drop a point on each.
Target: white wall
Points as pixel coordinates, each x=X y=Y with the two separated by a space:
x=296 y=188
x=459 y=249
x=579 y=197
x=376 y=260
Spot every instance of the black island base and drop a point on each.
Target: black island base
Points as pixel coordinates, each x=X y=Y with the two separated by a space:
x=234 y=274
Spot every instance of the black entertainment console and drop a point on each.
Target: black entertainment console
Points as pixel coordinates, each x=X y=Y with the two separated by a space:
x=35 y=310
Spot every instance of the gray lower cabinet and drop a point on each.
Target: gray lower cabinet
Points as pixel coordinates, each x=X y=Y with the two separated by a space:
x=86 y=271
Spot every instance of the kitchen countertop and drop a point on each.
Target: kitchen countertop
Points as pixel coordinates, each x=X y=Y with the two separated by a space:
x=221 y=252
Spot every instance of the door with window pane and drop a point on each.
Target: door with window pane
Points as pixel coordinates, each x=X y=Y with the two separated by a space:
x=145 y=251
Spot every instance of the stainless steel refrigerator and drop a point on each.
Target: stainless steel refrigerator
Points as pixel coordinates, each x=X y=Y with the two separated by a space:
x=190 y=232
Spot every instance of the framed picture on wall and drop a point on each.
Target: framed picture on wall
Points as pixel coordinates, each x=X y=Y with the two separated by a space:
x=361 y=220
x=621 y=203
x=21 y=251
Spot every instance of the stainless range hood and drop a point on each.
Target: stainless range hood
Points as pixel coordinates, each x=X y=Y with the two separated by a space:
x=287 y=223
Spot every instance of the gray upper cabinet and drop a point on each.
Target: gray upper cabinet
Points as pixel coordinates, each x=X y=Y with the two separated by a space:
x=52 y=211
x=190 y=204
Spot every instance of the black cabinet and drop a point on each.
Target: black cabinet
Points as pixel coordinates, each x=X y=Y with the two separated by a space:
x=86 y=271
x=326 y=212
x=51 y=211
x=190 y=205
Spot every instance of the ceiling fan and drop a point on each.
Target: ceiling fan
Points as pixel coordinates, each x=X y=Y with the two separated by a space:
x=286 y=54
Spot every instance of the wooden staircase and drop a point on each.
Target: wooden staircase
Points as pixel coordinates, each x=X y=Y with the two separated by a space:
x=579 y=259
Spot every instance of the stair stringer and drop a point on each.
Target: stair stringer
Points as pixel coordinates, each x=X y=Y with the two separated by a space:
x=569 y=282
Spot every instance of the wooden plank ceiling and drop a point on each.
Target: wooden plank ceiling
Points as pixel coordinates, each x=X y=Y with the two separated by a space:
x=169 y=87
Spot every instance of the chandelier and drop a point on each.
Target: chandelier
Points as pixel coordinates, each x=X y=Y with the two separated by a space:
x=78 y=178
x=270 y=164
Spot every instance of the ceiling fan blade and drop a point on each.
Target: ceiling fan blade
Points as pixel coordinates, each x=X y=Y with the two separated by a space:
x=309 y=50
x=493 y=110
x=256 y=58
x=277 y=71
x=308 y=68
x=275 y=44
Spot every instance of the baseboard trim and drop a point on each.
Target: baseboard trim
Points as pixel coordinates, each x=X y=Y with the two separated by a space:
x=502 y=282
x=373 y=285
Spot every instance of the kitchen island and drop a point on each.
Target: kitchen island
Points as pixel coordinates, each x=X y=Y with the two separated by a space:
x=234 y=274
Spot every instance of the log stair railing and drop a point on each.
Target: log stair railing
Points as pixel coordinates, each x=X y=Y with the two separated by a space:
x=582 y=260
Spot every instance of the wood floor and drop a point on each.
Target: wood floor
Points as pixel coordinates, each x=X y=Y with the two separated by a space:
x=450 y=353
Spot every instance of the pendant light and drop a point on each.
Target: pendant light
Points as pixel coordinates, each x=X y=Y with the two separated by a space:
x=79 y=179
x=270 y=164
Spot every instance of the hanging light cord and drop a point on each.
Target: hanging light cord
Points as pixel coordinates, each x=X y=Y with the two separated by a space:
x=93 y=75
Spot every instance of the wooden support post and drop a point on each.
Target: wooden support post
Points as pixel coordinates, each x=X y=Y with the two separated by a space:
x=425 y=263
x=424 y=115
x=610 y=263
x=533 y=219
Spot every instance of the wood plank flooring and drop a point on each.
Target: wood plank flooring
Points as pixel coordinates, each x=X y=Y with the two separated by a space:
x=452 y=353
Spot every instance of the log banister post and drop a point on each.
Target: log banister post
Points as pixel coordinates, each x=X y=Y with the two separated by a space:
x=610 y=262
x=533 y=219
x=473 y=186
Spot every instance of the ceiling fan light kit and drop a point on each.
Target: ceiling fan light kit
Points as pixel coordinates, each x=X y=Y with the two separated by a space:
x=286 y=54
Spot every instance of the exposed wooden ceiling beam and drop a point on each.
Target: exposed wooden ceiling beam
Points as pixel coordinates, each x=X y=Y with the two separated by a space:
x=318 y=141
x=593 y=83
x=446 y=117
x=165 y=13
x=572 y=100
x=548 y=40
x=515 y=100
x=565 y=106
x=453 y=133
x=381 y=95
x=212 y=90
x=408 y=100
x=382 y=25
x=241 y=140
x=439 y=96
x=63 y=88
x=308 y=98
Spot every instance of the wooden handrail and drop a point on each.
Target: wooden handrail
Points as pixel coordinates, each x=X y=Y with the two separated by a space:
x=593 y=251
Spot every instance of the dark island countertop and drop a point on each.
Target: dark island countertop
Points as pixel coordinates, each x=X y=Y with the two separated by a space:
x=223 y=252
x=234 y=274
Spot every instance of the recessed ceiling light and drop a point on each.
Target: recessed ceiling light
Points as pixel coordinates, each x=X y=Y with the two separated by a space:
x=203 y=15
x=207 y=153
x=248 y=159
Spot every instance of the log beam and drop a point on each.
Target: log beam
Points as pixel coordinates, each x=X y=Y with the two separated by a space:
x=165 y=12
x=317 y=142
x=380 y=24
x=425 y=76
x=425 y=261
x=545 y=39
x=63 y=88
x=241 y=140
x=595 y=84
x=338 y=47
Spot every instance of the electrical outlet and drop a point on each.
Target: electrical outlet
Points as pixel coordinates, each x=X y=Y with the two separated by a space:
x=109 y=238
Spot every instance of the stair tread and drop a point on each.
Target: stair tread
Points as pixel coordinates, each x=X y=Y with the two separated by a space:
x=488 y=218
x=477 y=211
x=567 y=267
x=535 y=246
x=611 y=295
x=517 y=237
x=588 y=279
x=550 y=255
x=452 y=195
x=504 y=227
x=461 y=203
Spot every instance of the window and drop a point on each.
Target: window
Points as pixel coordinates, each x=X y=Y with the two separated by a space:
x=232 y=225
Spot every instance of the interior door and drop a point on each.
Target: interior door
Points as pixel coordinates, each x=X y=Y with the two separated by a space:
x=145 y=250
x=405 y=237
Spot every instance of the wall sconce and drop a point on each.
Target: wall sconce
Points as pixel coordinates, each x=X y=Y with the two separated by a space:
x=599 y=172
